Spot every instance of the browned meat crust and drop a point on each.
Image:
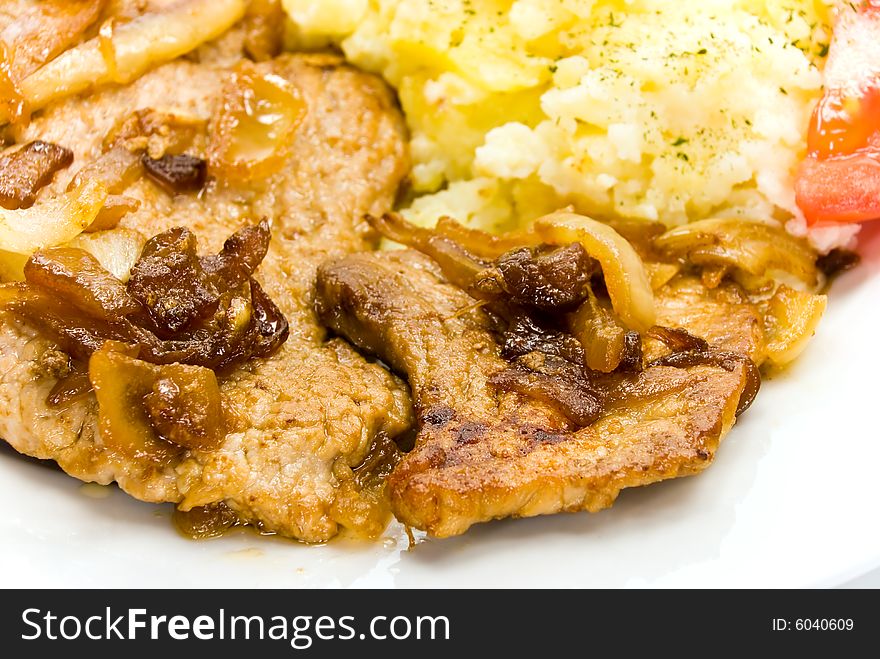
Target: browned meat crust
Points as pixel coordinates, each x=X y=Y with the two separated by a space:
x=481 y=454
x=303 y=419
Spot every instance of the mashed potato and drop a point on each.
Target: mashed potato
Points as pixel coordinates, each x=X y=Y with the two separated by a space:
x=636 y=108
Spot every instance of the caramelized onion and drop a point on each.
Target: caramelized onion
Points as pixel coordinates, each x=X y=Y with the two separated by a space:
x=601 y=335
x=25 y=171
x=242 y=252
x=483 y=244
x=678 y=339
x=546 y=279
x=108 y=50
x=152 y=412
x=12 y=266
x=52 y=221
x=116 y=250
x=639 y=233
x=225 y=317
x=661 y=274
x=184 y=406
x=113 y=171
x=146 y=41
x=836 y=262
x=121 y=383
x=14 y=107
x=713 y=275
x=624 y=274
x=790 y=322
x=756 y=248
x=169 y=280
x=178 y=287
x=36 y=36
x=69 y=388
x=525 y=335
x=458 y=265
x=59 y=219
x=176 y=173
x=631 y=358
x=271 y=328
x=76 y=332
x=203 y=522
x=264 y=29
x=177 y=306
x=253 y=132
x=394 y=227
x=78 y=277
x=115 y=208
x=47 y=29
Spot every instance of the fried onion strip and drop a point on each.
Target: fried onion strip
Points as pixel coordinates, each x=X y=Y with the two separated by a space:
x=146 y=41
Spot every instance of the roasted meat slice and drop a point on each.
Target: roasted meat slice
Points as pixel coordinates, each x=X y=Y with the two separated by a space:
x=723 y=316
x=303 y=423
x=484 y=453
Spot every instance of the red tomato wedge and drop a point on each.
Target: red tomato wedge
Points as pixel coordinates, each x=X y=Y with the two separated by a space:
x=839 y=180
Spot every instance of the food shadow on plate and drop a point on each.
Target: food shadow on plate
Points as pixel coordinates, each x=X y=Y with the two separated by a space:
x=9 y=453
x=107 y=501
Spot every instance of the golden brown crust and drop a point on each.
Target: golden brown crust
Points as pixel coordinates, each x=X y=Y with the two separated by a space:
x=521 y=470
x=483 y=455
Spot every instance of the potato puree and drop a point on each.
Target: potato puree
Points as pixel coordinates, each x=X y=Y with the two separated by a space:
x=637 y=108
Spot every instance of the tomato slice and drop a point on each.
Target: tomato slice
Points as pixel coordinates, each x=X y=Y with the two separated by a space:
x=839 y=180
x=839 y=189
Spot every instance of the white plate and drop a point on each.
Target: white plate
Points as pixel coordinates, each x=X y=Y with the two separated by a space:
x=790 y=501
